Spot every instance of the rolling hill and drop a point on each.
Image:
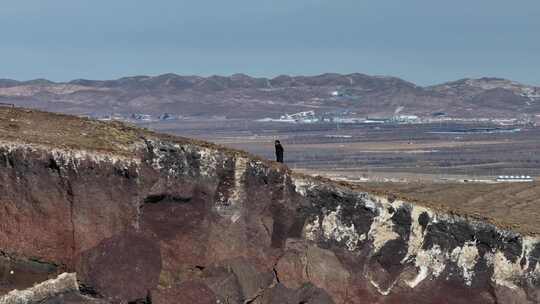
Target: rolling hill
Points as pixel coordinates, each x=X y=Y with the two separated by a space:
x=242 y=96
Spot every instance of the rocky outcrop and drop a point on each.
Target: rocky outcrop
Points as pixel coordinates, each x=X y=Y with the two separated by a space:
x=64 y=283
x=175 y=221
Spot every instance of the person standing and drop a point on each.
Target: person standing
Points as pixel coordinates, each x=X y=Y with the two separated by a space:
x=279 y=151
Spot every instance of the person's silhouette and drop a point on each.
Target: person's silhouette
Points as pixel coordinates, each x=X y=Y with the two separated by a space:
x=279 y=151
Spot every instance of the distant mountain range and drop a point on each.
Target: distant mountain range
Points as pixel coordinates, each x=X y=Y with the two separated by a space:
x=242 y=96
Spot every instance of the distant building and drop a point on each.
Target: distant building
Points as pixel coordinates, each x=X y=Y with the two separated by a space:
x=301 y=117
x=336 y=93
x=377 y=120
x=405 y=118
x=514 y=179
x=110 y=117
x=144 y=117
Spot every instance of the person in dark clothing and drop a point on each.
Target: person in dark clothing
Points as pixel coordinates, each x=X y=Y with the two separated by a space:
x=279 y=151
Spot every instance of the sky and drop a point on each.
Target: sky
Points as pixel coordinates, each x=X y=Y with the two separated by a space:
x=423 y=41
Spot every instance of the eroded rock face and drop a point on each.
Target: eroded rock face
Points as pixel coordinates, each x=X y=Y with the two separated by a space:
x=64 y=283
x=181 y=223
x=125 y=266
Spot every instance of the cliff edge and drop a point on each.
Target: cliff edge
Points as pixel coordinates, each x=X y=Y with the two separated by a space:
x=142 y=217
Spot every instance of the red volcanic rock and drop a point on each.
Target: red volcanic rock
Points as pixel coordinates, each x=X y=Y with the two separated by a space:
x=511 y=296
x=292 y=269
x=69 y=208
x=180 y=221
x=31 y=194
x=224 y=283
x=308 y=294
x=304 y=263
x=74 y=298
x=252 y=281
x=122 y=268
x=327 y=272
x=190 y=292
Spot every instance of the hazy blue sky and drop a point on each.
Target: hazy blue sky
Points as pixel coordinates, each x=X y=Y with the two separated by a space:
x=424 y=41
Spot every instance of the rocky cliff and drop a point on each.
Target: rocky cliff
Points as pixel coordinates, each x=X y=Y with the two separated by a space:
x=147 y=218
